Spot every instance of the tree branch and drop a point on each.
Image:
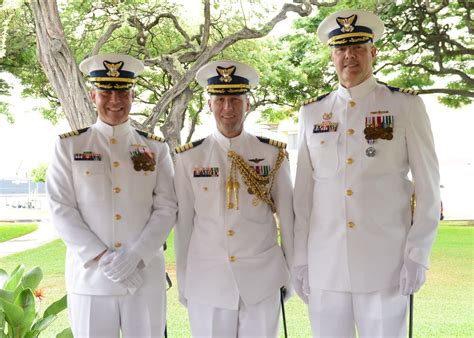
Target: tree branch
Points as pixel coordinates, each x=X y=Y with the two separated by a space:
x=434 y=10
x=449 y=91
x=208 y=53
x=104 y=38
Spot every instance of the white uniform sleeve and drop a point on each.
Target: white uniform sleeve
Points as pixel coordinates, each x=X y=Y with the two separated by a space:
x=65 y=214
x=302 y=197
x=185 y=223
x=425 y=171
x=282 y=194
x=163 y=214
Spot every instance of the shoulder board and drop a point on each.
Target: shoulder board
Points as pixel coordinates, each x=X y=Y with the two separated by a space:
x=402 y=90
x=272 y=142
x=150 y=135
x=73 y=133
x=315 y=99
x=187 y=146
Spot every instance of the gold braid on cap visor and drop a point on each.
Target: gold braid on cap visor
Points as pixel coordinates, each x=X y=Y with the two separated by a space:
x=335 y=39
x=228 y=88
x=112 y=79
x=259 y=185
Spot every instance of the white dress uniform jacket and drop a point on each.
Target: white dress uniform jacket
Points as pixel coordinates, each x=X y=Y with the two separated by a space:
x=353 y=216
x=223 y=254
x=106 y=204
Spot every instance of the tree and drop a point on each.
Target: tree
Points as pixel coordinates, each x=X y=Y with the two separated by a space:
x=138 y=27
x=427 y=47
x=39 y=173
x=434 y=44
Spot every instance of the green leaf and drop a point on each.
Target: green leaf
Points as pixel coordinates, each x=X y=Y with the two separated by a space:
x=15 y=277
x=3 y=277
x=13 y=313
x=56 y=307
x=43 y=323
x=2 y=322
x=31 y=334
x=7 y=295
x=26 y=300
x=66 y=333
x=32 y=278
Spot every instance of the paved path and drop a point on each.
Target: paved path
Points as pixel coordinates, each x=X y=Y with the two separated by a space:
x=44 y=234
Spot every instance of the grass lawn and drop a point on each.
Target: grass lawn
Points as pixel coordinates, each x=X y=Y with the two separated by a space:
x=13 y=230
x=443 y=308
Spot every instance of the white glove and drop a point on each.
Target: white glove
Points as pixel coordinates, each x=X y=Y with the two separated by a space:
x=122 y=265
x=300 y=281
x=133 y=282
x=412 y=277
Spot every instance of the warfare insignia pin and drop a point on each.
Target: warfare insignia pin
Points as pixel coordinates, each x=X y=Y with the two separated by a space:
x=327 y=116
x=256 y=160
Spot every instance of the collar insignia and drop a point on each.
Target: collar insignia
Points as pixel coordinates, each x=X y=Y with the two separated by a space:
x=347 y=24
x=113 y=68
x=225 y=73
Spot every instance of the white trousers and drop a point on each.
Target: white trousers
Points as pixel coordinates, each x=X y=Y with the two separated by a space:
x=380 y=314
x=258 y=320
x=104 y=316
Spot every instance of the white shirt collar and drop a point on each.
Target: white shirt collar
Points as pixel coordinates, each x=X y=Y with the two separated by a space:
x=108 y=130
x=229 y=143
x=359 y=91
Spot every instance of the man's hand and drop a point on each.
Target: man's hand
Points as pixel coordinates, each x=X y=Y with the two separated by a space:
x=300 y=281
x=412 y=277
x=121 y=265
x=133 y=282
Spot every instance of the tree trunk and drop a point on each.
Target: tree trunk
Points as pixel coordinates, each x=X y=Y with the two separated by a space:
x=171 y=129
x=59 y=65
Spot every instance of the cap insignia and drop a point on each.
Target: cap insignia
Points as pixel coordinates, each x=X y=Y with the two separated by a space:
x=347 y=24
x=113 y=68
x=225 y=73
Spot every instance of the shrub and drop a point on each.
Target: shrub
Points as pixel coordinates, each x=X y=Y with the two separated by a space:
x=20 y=298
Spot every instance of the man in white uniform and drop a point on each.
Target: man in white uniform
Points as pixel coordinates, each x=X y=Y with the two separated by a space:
x=357 y=254
x=110 y=190
x=230 y=186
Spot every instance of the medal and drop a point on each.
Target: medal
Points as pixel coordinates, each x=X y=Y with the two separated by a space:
x=142 y=158
x=370 y=151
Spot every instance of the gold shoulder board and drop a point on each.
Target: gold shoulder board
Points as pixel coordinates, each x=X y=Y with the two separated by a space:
x=275 y=143
x=187 y=146
x=403 y=90
x=150 y=136
x=315 y=99
x=73 y=133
